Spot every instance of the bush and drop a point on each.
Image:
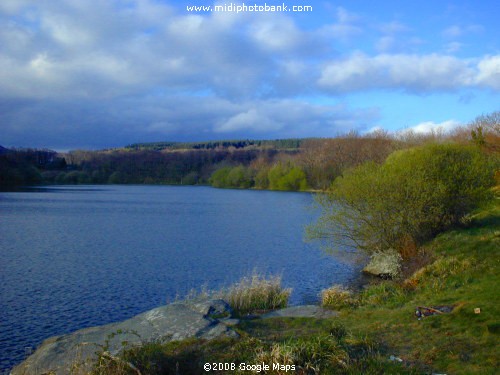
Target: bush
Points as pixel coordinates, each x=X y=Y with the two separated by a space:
x=219 y=177
x=413 y=196
x=261 y=179
x=287 y=177
x=239 y=177
x=235 y=177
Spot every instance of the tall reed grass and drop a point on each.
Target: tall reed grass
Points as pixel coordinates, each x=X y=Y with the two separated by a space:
x=256 y=293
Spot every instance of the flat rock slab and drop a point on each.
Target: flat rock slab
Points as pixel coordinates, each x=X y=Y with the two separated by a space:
x=176 y=321
x=306 y=311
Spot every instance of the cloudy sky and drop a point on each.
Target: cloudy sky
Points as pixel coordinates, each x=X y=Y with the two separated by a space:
x=106 y=73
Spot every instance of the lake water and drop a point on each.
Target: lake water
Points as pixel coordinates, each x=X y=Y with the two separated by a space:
x=78 y=256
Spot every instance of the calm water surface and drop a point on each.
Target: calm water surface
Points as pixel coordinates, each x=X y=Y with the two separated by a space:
x=74 y=257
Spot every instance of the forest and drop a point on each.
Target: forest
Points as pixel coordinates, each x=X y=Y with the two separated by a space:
x=287 y=164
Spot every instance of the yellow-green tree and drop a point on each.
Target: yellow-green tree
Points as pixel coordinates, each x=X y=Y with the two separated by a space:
x=415 y=194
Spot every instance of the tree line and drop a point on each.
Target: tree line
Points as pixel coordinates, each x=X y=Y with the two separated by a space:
x=288 y=164
x=280 y=144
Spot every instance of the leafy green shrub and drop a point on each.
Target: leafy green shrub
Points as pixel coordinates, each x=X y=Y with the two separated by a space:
x=232 y=177
x=413 y=196
x=261 y=179
x=239 y=177
x=219 y=177
x=287 y=177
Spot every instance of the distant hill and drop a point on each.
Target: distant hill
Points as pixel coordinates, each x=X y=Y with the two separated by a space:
x=278 y=144
x=3 y=150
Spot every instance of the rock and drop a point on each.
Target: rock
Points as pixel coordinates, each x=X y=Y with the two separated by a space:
x=229 y=321
x=176 y=321
x=215 y=309
x=385 y=264
x=307 y=311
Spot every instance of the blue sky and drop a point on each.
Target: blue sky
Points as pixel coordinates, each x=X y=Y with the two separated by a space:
x=98 y=74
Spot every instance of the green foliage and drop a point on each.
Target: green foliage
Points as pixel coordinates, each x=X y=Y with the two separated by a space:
x=287 y=177
x=261 y=179
x=191 y=178
x=239 y=177
x=219 y=177
x=235 y=177
x=414 y=195
x=463 y=275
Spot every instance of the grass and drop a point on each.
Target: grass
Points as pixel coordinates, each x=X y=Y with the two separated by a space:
x=374 y=325
x=256 y=293
x=323 y=347
x=465 y=274
x=338 y=297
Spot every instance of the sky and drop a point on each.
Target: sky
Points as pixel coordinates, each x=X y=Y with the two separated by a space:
x=83 y=74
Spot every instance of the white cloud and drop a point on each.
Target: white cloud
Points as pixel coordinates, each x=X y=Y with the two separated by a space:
x=281 y=34
x=346 y=26
x=252 y=119
x=150 y=67
x=64 y=30
x=433 y=127
x=13 y=6
x=412 y=73
x=79 y=50
x=489 y=72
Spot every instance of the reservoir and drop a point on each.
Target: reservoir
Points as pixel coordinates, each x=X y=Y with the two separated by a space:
x=78 y=256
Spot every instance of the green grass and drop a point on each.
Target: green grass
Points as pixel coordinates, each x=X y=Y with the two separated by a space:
x=465 y=274
x=373 y=325
x=338 y=297
x=309 y=346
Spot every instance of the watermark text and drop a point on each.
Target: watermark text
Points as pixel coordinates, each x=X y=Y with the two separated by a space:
x=248 y=7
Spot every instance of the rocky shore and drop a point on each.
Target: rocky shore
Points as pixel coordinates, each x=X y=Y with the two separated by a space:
x=205 y=319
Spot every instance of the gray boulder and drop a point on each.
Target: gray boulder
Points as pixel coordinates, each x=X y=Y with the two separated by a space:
x=386 y=264
x=176 y=321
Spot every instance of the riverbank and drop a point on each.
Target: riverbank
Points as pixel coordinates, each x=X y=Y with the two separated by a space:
x=456 y=332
